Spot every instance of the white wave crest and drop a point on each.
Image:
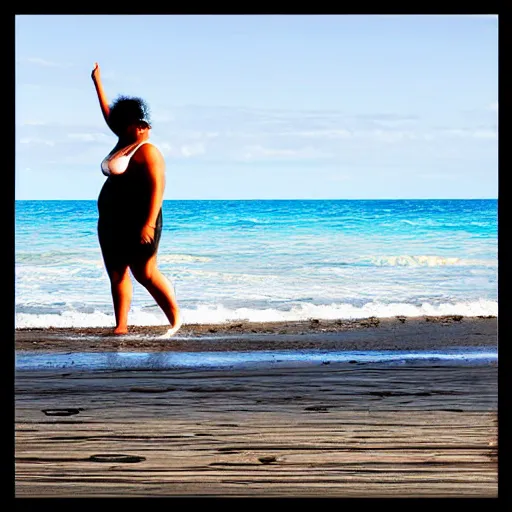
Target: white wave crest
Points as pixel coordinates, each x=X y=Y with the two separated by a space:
x=428 y=261
x=80 y=319
x=205 y=314
x=181 y=258
x=220 y=314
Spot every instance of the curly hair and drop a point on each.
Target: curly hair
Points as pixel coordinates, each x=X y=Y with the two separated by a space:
x=126 y=110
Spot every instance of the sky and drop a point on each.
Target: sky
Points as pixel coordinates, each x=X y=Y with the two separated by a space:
x=265 y=106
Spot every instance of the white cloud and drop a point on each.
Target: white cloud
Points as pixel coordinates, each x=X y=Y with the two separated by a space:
x=192 y=150
x=227 y=135
x=257 y=152
x=165 y=148
x=243 y=134
x=485 y=134
x=88 y=137
x=393 y=123
x=162 y=117
x=390 y=136
x=29 y=140
x=320 y=134
x=181 y=151
x=475 y=133
x=438 y=176
x=43 y=62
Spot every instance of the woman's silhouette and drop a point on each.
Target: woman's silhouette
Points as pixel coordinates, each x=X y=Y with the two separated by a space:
x=130 y=208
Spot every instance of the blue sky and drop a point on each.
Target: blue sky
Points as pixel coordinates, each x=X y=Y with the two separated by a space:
x=265 y=106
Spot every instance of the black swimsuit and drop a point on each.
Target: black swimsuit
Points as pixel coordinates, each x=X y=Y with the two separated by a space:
x=123 y=206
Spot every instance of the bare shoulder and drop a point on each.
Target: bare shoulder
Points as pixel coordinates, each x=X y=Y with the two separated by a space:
x=149 y=153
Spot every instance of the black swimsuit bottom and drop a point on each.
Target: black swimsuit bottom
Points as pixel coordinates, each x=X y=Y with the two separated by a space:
x=123 y=205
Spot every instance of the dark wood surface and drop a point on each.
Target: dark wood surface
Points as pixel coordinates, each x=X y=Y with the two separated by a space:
x=325 y=430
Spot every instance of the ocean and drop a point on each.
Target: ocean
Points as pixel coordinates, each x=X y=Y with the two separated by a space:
x=267 y=261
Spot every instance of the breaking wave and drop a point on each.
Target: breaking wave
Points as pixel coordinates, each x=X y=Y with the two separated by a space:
x=207 y=314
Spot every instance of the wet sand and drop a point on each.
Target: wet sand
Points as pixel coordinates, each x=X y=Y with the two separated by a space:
x=323 y=430
x=397 y=333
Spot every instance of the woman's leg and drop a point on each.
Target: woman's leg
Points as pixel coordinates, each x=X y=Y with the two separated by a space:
x=147 y=274
x=121 y=287
x=117 y=270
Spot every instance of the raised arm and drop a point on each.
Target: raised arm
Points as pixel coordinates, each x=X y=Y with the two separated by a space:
x=102 y=97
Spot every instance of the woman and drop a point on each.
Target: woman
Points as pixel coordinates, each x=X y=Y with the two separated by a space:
x=130 y=208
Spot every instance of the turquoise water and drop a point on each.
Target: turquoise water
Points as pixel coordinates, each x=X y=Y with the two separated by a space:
x=268 y=261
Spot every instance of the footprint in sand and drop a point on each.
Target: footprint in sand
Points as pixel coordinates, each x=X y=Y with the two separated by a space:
x=116 y=457
x=61 y=412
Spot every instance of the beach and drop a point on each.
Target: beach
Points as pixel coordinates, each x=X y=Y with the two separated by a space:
x=280 y=426
x=315 y=214
x=330 y=348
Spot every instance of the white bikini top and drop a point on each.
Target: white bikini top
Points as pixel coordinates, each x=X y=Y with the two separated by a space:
x=117 y=163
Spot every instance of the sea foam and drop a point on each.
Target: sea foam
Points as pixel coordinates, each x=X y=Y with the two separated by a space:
x=428 y=261
x=205 y=314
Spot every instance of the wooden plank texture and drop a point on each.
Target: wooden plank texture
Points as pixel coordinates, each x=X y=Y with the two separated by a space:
x=361 y=430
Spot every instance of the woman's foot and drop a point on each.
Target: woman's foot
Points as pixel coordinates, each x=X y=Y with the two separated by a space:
x=173 y=330
x=115 y=332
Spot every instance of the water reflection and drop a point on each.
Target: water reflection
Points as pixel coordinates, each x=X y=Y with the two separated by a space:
x=167 y=360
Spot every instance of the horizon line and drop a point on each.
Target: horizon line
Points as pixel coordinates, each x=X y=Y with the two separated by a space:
x=301 y=199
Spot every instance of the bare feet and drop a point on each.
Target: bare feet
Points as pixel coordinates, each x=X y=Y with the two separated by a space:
x=115 y=332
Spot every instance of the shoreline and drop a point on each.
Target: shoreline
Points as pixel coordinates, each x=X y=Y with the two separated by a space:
x=395 y=333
